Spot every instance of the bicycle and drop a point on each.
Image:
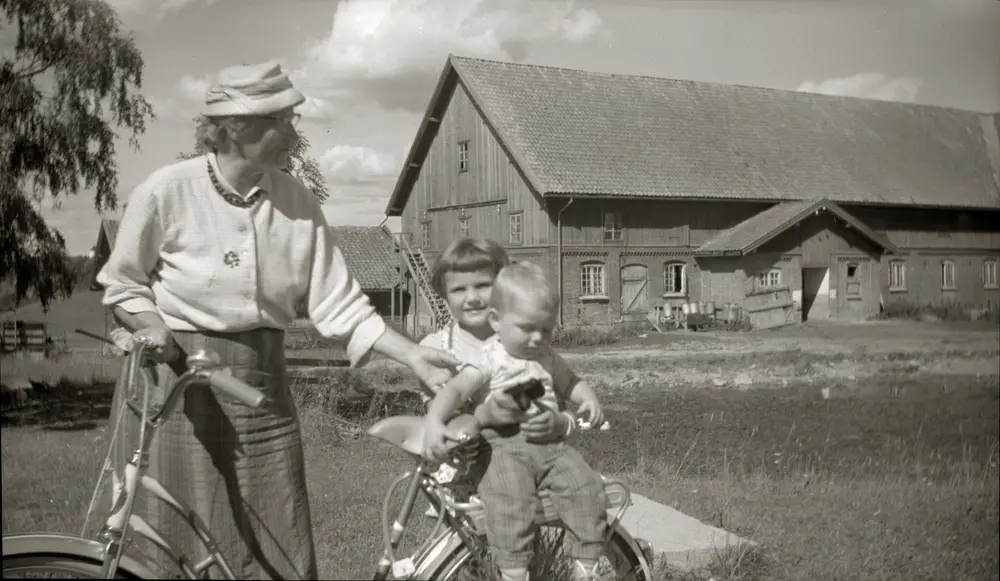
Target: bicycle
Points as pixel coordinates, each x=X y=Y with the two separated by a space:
x=104 y=557
x=463 y=539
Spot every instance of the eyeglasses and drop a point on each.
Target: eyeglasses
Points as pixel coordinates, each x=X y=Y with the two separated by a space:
x=292 y=119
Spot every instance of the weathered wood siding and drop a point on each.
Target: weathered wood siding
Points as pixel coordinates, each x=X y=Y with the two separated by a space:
x=917 y=228
x=486 y=194
x=654 y=223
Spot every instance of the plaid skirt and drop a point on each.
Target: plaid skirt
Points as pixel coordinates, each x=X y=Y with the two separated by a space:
x=240 y=469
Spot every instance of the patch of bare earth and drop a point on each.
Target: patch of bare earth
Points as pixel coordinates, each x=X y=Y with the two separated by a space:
x=834 y=354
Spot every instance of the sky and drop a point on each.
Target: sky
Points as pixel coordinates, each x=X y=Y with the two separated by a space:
x=368 y=67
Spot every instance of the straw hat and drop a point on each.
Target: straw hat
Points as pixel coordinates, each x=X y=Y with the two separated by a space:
x=261 y=89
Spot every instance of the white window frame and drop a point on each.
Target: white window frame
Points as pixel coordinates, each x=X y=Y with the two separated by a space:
x=614 y=227
x=667 y=267
x=989 y=273
x=593 y=281
x=516 y=227
x=897 y=275
x=768 y=279
x=463 y=156
x=948 y=275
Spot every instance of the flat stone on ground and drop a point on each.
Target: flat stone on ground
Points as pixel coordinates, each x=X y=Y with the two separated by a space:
x=684 y=541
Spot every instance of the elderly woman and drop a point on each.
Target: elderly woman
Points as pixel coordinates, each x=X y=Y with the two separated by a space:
x=214 y=252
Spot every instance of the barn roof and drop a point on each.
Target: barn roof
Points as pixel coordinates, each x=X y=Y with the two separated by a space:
x=370 y=255
x=573 y=132
x=755 y=231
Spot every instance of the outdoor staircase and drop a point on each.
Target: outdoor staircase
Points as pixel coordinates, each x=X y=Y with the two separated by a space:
x=416 y=262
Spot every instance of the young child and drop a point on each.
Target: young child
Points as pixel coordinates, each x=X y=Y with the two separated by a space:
x=463 y=276
x=523 y=309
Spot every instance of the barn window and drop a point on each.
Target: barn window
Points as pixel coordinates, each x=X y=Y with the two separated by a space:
x=463 y=227
x=463 y=156
x=768 y=279
x=990 y=274
x=674 y=278
x=614 y=226
x=425 y=234
x=517 y=228
x=592 y=280
x=897 y=275
x=948 y=275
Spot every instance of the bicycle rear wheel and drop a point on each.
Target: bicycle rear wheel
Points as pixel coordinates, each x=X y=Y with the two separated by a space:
x=56 y=566
x=620 y=562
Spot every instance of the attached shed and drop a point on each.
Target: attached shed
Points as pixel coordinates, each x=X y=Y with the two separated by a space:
x=102 y=250
x=371 y=256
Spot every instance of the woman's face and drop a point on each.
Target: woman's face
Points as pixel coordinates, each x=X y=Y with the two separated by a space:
x=269 y=139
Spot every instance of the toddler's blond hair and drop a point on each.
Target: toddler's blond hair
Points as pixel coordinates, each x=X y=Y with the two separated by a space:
x=520 y=281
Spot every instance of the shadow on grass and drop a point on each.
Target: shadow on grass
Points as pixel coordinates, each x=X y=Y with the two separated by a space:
x=66 y=406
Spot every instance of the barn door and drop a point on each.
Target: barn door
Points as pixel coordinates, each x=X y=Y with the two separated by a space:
x=635 y=297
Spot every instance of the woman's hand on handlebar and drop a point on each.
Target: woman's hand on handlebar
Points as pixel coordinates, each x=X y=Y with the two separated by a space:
x=162 y=347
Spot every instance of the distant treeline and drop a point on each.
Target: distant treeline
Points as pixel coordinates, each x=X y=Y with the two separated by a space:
x=83 y=273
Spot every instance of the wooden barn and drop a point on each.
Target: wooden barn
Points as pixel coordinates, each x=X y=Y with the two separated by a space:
x=371 y=256
x=102 y=250
x=640 y=193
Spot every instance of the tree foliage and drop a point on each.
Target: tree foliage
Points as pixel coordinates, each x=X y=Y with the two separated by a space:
x=300 y=165
x=74 y=76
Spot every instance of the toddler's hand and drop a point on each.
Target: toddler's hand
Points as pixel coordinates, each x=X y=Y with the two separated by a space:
x=435 y=441
x=591 y=407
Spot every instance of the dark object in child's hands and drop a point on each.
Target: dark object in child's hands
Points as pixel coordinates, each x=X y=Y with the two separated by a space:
x=523 y=393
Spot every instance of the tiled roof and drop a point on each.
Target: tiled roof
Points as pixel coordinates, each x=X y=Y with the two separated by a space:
x=583 y=133
x=370 y=255
x=758 y=229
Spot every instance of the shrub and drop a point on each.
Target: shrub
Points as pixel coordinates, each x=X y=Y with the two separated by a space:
x=941 y=310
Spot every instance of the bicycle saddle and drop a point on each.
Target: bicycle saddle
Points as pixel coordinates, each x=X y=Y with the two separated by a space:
x=407 y=432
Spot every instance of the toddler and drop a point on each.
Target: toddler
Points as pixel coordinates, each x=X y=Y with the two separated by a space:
x=522 y=313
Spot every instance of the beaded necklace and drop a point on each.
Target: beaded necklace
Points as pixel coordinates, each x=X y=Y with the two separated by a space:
x=233 y=199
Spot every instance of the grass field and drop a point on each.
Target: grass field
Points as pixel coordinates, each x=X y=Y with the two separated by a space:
x=890 y=473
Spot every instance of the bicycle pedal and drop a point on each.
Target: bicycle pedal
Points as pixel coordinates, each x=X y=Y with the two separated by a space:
x=403 y=568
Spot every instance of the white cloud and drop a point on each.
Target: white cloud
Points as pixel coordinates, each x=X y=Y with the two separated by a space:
x=353 y=164
x=315 y=108
x=142 y=6
x=194 y=88
x=393 y=50
x=163 y=107
x=867 y=86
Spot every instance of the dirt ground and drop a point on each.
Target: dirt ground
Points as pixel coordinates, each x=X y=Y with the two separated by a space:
x=816 y=353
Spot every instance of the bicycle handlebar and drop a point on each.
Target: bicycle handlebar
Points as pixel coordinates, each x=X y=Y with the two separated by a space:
x=235 y=388
x=203 y=366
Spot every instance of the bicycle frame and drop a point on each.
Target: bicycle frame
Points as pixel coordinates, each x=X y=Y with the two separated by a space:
x=462 y=520
x=115 y=533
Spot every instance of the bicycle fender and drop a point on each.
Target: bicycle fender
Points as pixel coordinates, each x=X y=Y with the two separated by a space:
x=62 y=544
x=447 y=544
x=430 y=560
x=633 y=545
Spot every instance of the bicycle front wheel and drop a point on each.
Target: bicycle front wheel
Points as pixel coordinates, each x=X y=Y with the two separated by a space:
x=56 y=566
x=620 y=562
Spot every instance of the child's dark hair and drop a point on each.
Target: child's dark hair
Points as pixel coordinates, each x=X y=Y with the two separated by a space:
x=468 y=255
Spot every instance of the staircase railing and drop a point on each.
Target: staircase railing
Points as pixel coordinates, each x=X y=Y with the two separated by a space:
x=416 y=263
